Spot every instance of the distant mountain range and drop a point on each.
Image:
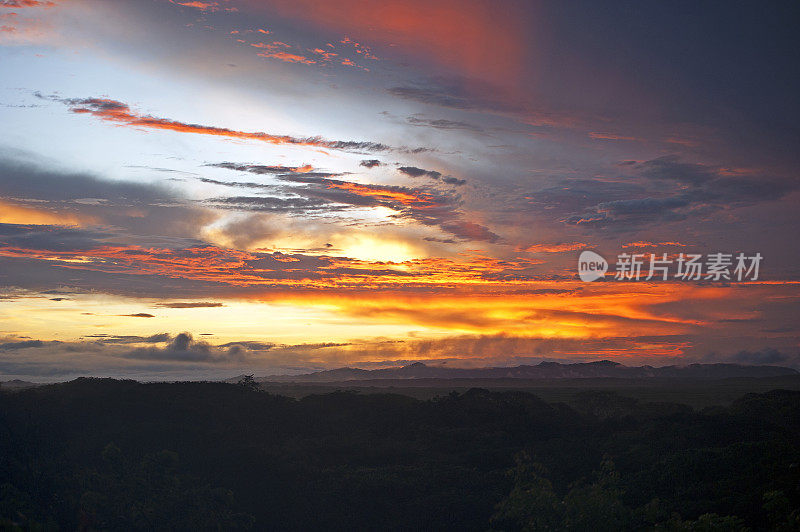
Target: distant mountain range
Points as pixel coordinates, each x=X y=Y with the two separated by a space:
x=543 y=370
x=17 y=384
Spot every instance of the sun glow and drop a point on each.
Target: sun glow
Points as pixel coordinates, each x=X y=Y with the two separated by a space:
x=369 y=248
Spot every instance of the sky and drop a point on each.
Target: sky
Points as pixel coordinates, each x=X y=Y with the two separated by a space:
x=201 y=189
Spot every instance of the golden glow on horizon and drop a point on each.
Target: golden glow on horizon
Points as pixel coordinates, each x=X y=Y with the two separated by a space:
x=582 y=313
x=15 y=214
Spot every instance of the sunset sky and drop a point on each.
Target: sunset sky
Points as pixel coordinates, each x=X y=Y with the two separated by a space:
x=199 y=189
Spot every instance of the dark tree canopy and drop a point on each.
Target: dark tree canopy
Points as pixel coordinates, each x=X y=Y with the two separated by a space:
x=101 y=454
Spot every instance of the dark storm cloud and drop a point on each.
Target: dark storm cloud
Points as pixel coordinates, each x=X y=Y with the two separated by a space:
x=350 y=145
x=141 y=209
x=450 y=93
x=450 y=180
x=732 y=71
x=663 y=190
x=470 y=231
x=633 y=210
x=764 y=356
x=413 y=171
x=671 y=168
x=50 y=237
x=24 y=344
x=475 y=95
x=24 y=180
x=653 y=206
x=572 y=195
x=71 y=239
x=370 y=163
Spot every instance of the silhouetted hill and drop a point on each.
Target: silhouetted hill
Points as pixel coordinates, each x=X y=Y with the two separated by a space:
x=17 y=384
x=543 y=370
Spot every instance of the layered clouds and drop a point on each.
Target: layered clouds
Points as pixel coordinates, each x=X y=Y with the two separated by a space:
x=299 y=187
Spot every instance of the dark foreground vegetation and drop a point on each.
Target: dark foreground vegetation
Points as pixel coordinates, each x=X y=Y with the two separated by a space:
x=118 y=455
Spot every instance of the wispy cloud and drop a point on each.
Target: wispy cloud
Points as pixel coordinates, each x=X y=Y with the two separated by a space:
x=203 y=6
x=265 y=169
x=318 y=191
x=120 y=113
x=191 y=304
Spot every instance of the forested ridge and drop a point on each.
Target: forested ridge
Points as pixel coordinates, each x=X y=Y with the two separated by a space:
x=102 y=454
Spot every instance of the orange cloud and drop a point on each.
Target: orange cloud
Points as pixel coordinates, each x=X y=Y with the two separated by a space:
x=11 y=213
x=406 y=197
x=203 y=6
x=555 y=248
x=277 y=50
x=647 y=244
x=120 y=113
x=286 y=57
x=297 y=54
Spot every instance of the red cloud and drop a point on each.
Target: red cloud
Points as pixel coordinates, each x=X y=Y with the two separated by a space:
x=555 y=248
x=20 y=4
x=479 y=37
